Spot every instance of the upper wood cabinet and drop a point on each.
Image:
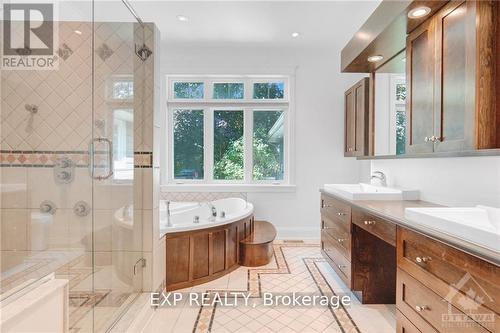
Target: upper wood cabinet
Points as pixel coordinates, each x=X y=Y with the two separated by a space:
x=451 y=76
x=356 y=102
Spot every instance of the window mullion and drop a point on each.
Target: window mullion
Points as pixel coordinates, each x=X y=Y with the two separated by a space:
x=209 y=144
x=248 y=133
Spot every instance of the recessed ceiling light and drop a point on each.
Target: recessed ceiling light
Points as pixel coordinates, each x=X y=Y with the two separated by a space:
x=419 y=12
x=375 y=58
x=295 y=34
x=182 y=18
x=78 y=32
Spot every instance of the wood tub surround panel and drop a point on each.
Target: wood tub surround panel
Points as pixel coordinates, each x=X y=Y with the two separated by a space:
x=178 y=266
x=198 y=256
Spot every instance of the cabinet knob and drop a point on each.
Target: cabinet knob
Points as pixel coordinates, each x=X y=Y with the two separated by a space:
x=340 y=240
x=434 y=138
x=369 y=222
x=426 y=139
x=421 y=308
x=422 y=259
x=340 y=214
x=341 y=266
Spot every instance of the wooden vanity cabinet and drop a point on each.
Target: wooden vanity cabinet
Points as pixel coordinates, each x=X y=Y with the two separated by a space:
x=451 y=75
x=336 y=236
x=356 y=103
x=435 y=280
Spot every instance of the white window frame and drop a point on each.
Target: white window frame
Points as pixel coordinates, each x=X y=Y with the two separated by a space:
x=248 y=105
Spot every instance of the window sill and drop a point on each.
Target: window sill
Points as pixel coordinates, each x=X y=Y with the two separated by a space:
x=280 y=188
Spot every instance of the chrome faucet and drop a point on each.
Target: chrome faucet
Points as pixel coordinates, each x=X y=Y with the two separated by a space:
x=380 y=176
x=169 y=223
x=213 y=210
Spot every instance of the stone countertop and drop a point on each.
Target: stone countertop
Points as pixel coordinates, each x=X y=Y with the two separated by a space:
x=394 y=211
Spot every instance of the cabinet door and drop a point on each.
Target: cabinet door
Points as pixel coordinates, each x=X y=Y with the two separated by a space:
x=455 y=78
x=356 y=119
x=420 y=55
x=361 y=124
x=350 y=123
x=177 y=260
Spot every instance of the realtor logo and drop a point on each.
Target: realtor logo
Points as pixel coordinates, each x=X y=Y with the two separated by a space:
x=28 y=36
x=471 y=305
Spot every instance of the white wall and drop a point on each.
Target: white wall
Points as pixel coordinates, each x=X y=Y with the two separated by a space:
x=448 y=181
x=319 y=123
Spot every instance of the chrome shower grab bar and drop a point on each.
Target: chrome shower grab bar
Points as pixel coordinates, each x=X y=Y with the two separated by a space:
x=92 y=158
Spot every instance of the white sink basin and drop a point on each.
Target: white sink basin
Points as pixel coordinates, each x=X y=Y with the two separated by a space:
x=479 y=225
x=371 y=192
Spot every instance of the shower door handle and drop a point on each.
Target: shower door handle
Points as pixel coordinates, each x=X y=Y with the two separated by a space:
x=92 y=158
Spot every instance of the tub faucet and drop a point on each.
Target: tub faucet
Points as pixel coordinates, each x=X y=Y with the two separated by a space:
x=169 y=223
x=380 y=176
x=213 y=210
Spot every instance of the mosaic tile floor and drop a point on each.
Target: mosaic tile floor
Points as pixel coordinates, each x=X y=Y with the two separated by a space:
x=296 y=267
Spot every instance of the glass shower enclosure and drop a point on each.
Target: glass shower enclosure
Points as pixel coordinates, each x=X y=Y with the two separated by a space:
x=68 y=137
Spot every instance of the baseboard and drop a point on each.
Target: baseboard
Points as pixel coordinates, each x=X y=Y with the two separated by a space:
x=308 y=233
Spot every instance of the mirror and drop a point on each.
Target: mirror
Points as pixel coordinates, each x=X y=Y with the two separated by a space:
x=390 y=107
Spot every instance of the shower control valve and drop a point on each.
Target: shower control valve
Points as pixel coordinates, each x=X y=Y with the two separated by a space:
x=81 y=208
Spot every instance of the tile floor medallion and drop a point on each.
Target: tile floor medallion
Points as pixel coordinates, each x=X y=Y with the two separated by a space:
x=295 y=268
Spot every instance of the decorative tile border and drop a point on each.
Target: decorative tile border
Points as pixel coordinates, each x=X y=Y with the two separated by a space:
x=206 y=315
x=19 y=158
x=143 y=159
x=200 y=196
x=48 y=159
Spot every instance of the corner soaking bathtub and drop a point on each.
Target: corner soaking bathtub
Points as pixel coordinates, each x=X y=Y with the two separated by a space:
x=186 y=216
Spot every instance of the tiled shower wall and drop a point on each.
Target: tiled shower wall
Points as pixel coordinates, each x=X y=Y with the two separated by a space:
x=31 y=143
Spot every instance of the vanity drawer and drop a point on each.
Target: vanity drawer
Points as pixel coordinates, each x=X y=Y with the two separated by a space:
x=415 y=300
x=439 y=266
x=374 y=225
x=334 y=253
x=335 y=209
x=404 y=325
x=338 y=233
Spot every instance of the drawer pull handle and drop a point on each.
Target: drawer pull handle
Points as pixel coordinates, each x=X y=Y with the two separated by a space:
x=422 y=259
x=327 y=206
x=340 y=240
x=369 y=222
x=341 y=214
x=421 y=308
x=341 y=266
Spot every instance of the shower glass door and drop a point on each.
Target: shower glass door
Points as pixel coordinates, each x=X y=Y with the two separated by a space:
x=67 y=137
x=118 y=76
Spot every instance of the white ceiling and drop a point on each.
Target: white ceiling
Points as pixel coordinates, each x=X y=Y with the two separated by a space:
x=320 y=23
